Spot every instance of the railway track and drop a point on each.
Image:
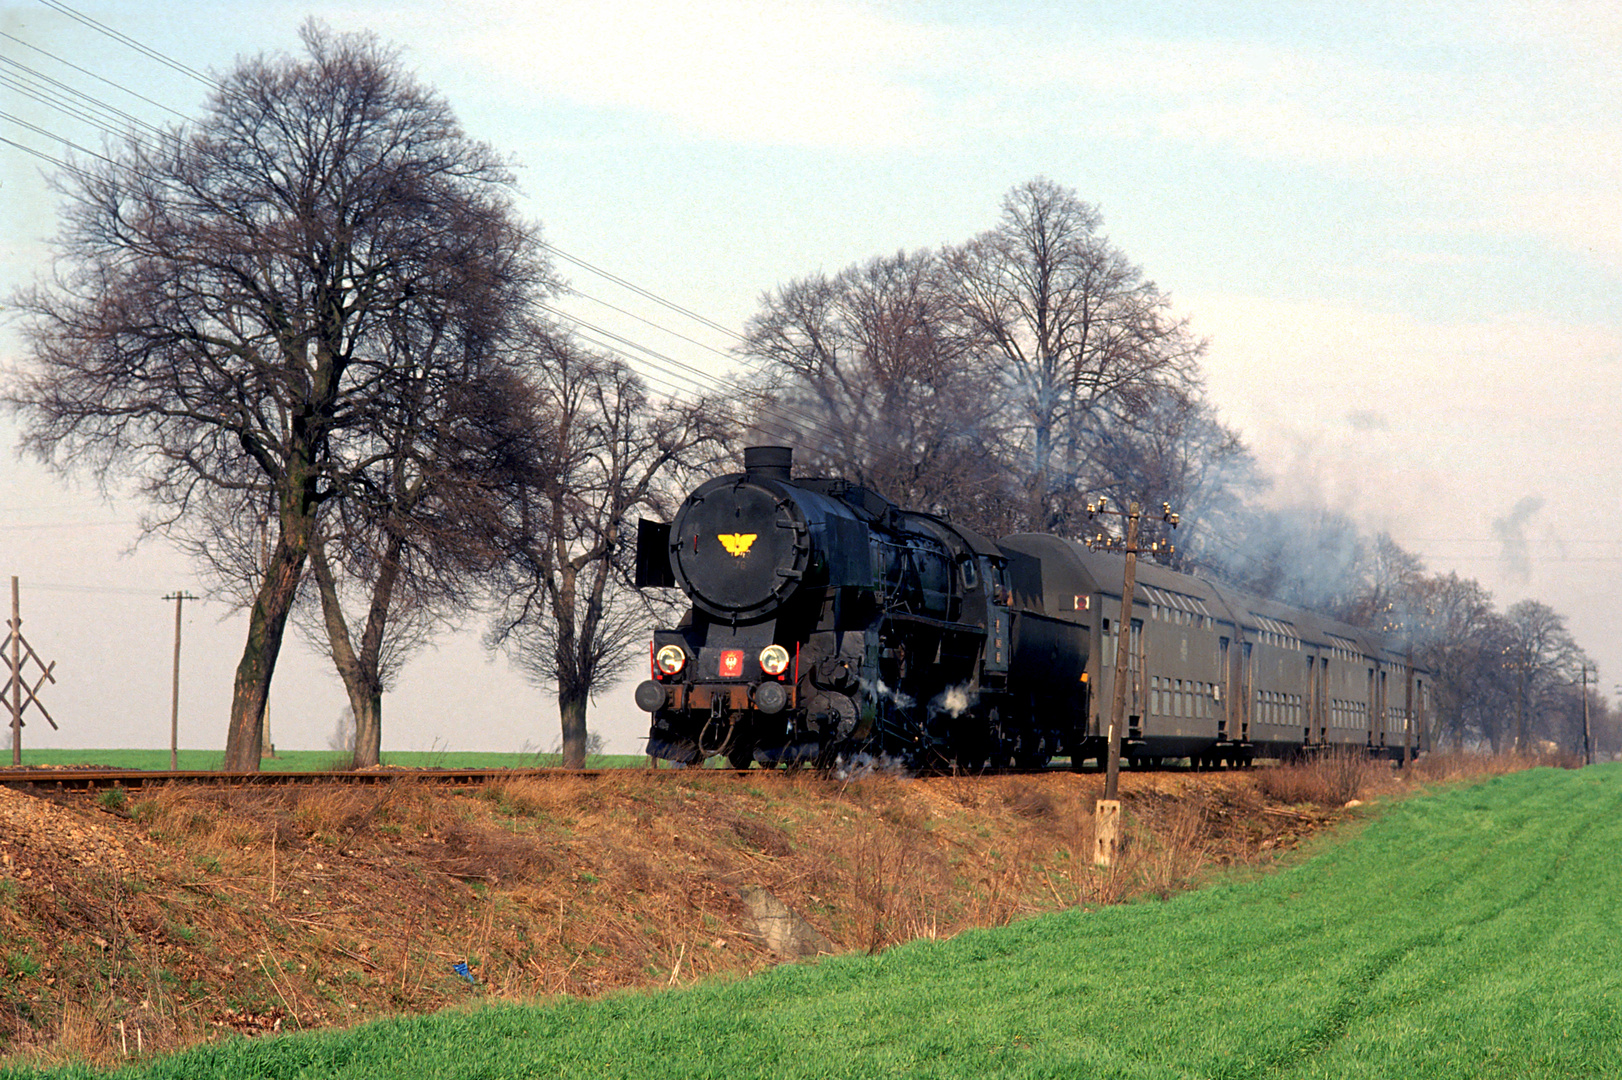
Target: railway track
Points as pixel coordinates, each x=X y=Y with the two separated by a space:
x=73 y=779
x=77 y=778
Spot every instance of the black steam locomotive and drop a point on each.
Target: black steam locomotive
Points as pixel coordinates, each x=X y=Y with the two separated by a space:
x=827 y=623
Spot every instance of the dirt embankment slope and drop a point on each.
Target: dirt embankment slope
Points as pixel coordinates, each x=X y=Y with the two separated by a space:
x=128 y=927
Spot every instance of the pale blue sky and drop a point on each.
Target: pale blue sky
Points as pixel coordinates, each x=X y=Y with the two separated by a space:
x=1399 y=225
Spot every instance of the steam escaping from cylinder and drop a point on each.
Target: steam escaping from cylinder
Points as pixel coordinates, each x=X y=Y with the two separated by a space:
x=862 y=765
x=954 y=701
x=877 y=689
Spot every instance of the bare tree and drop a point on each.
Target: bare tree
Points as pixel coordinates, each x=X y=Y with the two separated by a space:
x=212 y=330
x=875 y=381
x=1452 y=621
x=569 y=616
x=1392 y=579
x=1080 y=338
x=421 y=527
x=1542 y=660
x=1175 y=451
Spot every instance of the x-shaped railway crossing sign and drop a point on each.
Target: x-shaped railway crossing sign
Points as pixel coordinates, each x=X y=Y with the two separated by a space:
x=14 y=664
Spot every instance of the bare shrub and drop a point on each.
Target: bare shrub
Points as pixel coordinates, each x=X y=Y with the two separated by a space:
x=895 y=881
x=1444 y=767
x=177 y=812
x=1330 y=779
x=81 y=1036
x=1028 y=802
x=1166 y=858
x=593 y=884
x=763 y=836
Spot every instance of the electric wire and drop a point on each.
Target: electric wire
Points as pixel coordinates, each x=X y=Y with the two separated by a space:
x=63 y=139
x=675 y=376
x=695 y=383
x=103 y=28
x=674 y=380
x=677 y=385
x=49 y=94
x=51 y=100
x=100 y=78
x=58 y=162
x=723 y=353
x=640 y=291
x=110 y=589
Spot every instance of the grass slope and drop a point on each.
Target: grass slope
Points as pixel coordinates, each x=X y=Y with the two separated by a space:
x=1472 y=933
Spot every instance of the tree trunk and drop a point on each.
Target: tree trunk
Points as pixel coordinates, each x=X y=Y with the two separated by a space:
x=266 y=624
x=359 y=672
x=368 y=729
x=572 y=705
x=369 y=724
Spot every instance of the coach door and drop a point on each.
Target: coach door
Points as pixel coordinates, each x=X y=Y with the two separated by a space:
x=1225 y=721
x=1137 y=680
x=1320 y=694
x=1385 y=712
x=1372 y=705
x=1247 y=692
x=1309 y=719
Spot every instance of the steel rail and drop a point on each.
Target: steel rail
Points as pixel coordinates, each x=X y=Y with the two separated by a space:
x=72 y=779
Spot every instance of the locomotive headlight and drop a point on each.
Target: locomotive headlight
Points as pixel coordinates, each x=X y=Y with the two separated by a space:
x=670 y=659
x=774 y=659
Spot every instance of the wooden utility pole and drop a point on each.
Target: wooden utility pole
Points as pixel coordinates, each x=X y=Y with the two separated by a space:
x=1108 y=812
x=19 y=694
x=1410 y=721
x=179 y=596
x=1588 y=738
x=1123 y=646
x=16 y=672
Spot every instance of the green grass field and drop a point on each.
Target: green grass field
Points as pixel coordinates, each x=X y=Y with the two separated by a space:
x=315 y=760
x=1472 y=933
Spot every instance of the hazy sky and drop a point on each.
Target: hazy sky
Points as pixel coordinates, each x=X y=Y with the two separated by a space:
x=1399 y=225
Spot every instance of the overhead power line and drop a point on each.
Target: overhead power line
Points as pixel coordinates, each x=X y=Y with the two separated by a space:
x=63 y=139
x=58 y=162
x=640 y=291
x=86 y=71
x=125 y=39
x=723 y=353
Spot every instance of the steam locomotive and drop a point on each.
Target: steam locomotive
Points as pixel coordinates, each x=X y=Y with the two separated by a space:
x=827 y=623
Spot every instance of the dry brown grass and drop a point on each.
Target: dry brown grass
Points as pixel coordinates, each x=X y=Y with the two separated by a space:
x=1329 y=780
x=1448 y=766
x=257 y=908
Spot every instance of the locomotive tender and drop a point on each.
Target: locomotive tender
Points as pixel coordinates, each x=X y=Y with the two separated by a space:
x=827 y=622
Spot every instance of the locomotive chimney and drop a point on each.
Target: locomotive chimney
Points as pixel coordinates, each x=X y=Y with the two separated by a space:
x=769 y=462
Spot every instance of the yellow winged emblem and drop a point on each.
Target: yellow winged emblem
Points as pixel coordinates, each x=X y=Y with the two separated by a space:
x=737 y=544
